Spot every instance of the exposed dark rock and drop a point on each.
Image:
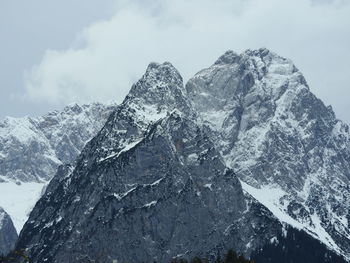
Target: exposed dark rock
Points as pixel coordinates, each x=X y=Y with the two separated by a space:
x=8 y=234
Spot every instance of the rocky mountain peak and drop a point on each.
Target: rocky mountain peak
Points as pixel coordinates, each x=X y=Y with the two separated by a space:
x=158 y=91
x=156 y=94
x=159 y=84
x=252 y=82
x=275 y=134
x=229 y=57
x=165 y=71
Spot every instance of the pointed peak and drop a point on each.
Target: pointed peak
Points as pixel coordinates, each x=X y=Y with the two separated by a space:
x=261 y=52
x=164 y=70
x=73 y=107
x=229 y=57
x=161 y=82
x=156 y=65
x=264 y=51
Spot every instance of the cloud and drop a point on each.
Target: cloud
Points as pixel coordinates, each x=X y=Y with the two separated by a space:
x=107 y=57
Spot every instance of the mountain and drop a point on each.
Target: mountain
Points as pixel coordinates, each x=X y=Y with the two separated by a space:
x=285 y=145
x=31 y=149
x=8 y=234
x=238 y=158
x=152 y=171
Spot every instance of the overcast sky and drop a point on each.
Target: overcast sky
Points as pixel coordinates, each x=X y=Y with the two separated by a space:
x=57 y=52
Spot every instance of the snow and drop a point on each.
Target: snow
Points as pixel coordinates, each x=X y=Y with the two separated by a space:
x=157 y=182
x=20 y=128
x=125 y=149
x=120 y=196
x=208 y=186
x=59 y=219
x=52 y=156
x=150 y=204
x=274 y=240
x=215 y=118
x=18 y=200
x=130 y=146
x=48 y=225
x=281 y=69
x=193 y=157
x=147 y=113
x=270 y=196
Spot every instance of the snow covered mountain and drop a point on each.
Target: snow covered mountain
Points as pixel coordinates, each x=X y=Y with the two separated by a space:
x=239 y=158
x=8 y=234
x=31 y=149
x=285 y=145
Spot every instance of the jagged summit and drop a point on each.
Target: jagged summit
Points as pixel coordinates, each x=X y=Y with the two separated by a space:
x=261 y=52
x=259 y=62
x=157 y=93
x=280 y=138
x=162 y=74
x=229 y=57
x=161 y=80
x=252 y=78
x=232 y=57
x=165 y=68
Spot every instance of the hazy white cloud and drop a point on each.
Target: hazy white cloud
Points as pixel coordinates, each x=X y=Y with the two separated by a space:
x=107 y=57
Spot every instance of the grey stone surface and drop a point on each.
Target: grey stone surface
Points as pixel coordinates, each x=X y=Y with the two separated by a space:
x=8 y=234
x=170 y=195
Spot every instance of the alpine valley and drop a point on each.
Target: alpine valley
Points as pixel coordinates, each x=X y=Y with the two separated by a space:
x=242 y=157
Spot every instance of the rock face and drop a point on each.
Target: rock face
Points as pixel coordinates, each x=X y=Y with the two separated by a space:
x=31 y=149
x=233 y=160
x=8 y=234
x=280 y=139
x=147 y=199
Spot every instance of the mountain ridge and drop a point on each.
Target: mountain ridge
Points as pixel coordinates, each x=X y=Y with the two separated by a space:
x=266 y=127
x=51 y=137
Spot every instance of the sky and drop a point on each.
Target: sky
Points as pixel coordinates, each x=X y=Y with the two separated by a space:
x=53 y=53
